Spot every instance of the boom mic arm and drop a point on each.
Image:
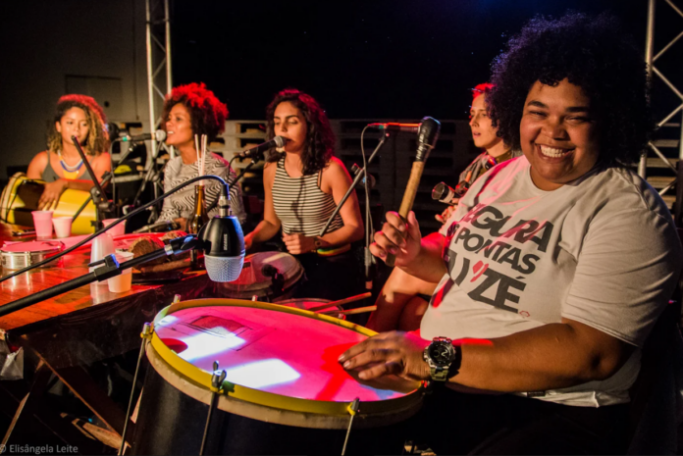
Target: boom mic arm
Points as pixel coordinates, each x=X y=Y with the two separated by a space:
x=111 y=268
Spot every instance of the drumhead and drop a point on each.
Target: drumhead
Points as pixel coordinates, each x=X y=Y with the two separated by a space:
x=281 y=364
x=33 y=247
x=256 y=277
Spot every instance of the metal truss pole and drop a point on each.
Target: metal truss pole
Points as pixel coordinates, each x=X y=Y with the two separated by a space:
x=159 y=78
x=653 y=72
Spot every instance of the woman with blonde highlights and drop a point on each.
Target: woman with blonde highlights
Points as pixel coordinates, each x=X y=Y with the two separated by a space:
x=61 y=166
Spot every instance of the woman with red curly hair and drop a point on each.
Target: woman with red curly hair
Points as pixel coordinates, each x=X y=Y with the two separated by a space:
x=191 y=110
x=61 y=166
x=303 y=184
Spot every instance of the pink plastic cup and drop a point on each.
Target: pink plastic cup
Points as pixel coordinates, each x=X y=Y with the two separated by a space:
x=118 y=230
x=62 y=226
x=42 y=222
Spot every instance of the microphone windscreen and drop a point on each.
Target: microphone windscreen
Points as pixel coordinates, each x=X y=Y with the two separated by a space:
x=223 y=268
x=279 y=141
x=442 y=192
x=160 y=135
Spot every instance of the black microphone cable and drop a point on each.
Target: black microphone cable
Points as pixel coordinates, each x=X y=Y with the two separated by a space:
x=125 y=217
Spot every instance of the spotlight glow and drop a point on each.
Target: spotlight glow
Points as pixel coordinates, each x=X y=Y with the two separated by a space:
x=203 y=344
x=259 y=374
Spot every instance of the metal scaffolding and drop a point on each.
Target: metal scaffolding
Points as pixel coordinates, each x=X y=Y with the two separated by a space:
x=159 y=79
x=650 y=59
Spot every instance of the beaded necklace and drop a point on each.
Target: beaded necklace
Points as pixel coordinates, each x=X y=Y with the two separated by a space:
x=70 y=172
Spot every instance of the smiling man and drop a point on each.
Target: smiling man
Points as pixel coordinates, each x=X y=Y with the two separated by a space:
x=553 y=269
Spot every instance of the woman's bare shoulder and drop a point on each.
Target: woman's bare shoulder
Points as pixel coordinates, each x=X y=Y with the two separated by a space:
x=335 y=169
x=38 y=165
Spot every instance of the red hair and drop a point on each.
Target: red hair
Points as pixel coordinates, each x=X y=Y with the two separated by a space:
x=481 y=89
x=207 y=112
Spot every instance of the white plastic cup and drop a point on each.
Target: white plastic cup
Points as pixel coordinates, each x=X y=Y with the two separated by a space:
x=42 y=221
x=102 y=246
x=118 y=230
x=62 y=226
x=124 y=281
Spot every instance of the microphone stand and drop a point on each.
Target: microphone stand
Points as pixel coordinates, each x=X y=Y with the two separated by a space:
x=106 y=177
x=254 y=160
x=139 y=210
x=102 y=205
x=123 y=157
x=367 y=257
x=153 y=175
x=110 y=268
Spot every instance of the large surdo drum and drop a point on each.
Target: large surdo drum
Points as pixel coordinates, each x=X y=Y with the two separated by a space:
x=284 y=392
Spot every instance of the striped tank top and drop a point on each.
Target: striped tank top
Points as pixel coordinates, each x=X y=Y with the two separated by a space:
x=300 y=204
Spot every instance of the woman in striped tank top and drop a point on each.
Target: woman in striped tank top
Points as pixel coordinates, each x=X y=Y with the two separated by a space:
x=303 y=183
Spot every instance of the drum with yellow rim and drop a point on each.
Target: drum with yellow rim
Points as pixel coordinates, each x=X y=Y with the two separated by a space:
x=21 y=195
x=284 y=392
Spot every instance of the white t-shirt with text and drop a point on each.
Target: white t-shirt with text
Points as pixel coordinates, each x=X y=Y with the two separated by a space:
x=602 y=251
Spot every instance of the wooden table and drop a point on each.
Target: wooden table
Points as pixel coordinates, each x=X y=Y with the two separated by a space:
x=65 y=333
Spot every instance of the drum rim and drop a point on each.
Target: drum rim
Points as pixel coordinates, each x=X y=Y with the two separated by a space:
x=54 y=249
x=264 y=398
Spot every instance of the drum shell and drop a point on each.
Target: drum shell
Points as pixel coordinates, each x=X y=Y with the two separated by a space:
x=12 y=261
x=254 y=282
x=253 y=420
x=171 y=422
x=21 y=195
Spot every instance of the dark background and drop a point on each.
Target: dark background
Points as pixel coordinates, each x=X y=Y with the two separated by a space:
x=372 y=59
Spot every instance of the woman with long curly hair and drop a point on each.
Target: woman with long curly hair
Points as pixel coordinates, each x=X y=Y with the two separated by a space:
x=554 y=268
x=303 y=184
x=191 y=110
x=61 y=166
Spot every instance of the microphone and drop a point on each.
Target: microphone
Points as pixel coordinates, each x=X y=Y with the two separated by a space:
x=223 y=243
x=355 y=169
x=427 y=135
x=159 y=135
x=445 y=194
x=395 y=126
x=257 y=152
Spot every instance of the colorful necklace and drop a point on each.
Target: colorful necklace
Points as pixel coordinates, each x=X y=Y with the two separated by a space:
x=70 y=172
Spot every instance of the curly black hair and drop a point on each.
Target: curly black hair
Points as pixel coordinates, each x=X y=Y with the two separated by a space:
x=319 y=145
x=591 y=53
x=207 y=113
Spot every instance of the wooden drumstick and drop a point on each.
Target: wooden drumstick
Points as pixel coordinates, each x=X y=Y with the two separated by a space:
x=427 y=135
x=341 y=302
x=359 y=310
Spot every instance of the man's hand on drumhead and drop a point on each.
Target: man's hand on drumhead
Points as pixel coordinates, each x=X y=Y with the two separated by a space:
x=398 y=237
x=389 y=353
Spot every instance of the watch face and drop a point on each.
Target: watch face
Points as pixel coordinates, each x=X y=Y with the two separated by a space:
x=442 y=353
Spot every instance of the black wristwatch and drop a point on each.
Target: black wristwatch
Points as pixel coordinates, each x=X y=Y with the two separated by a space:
x=443 y=358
